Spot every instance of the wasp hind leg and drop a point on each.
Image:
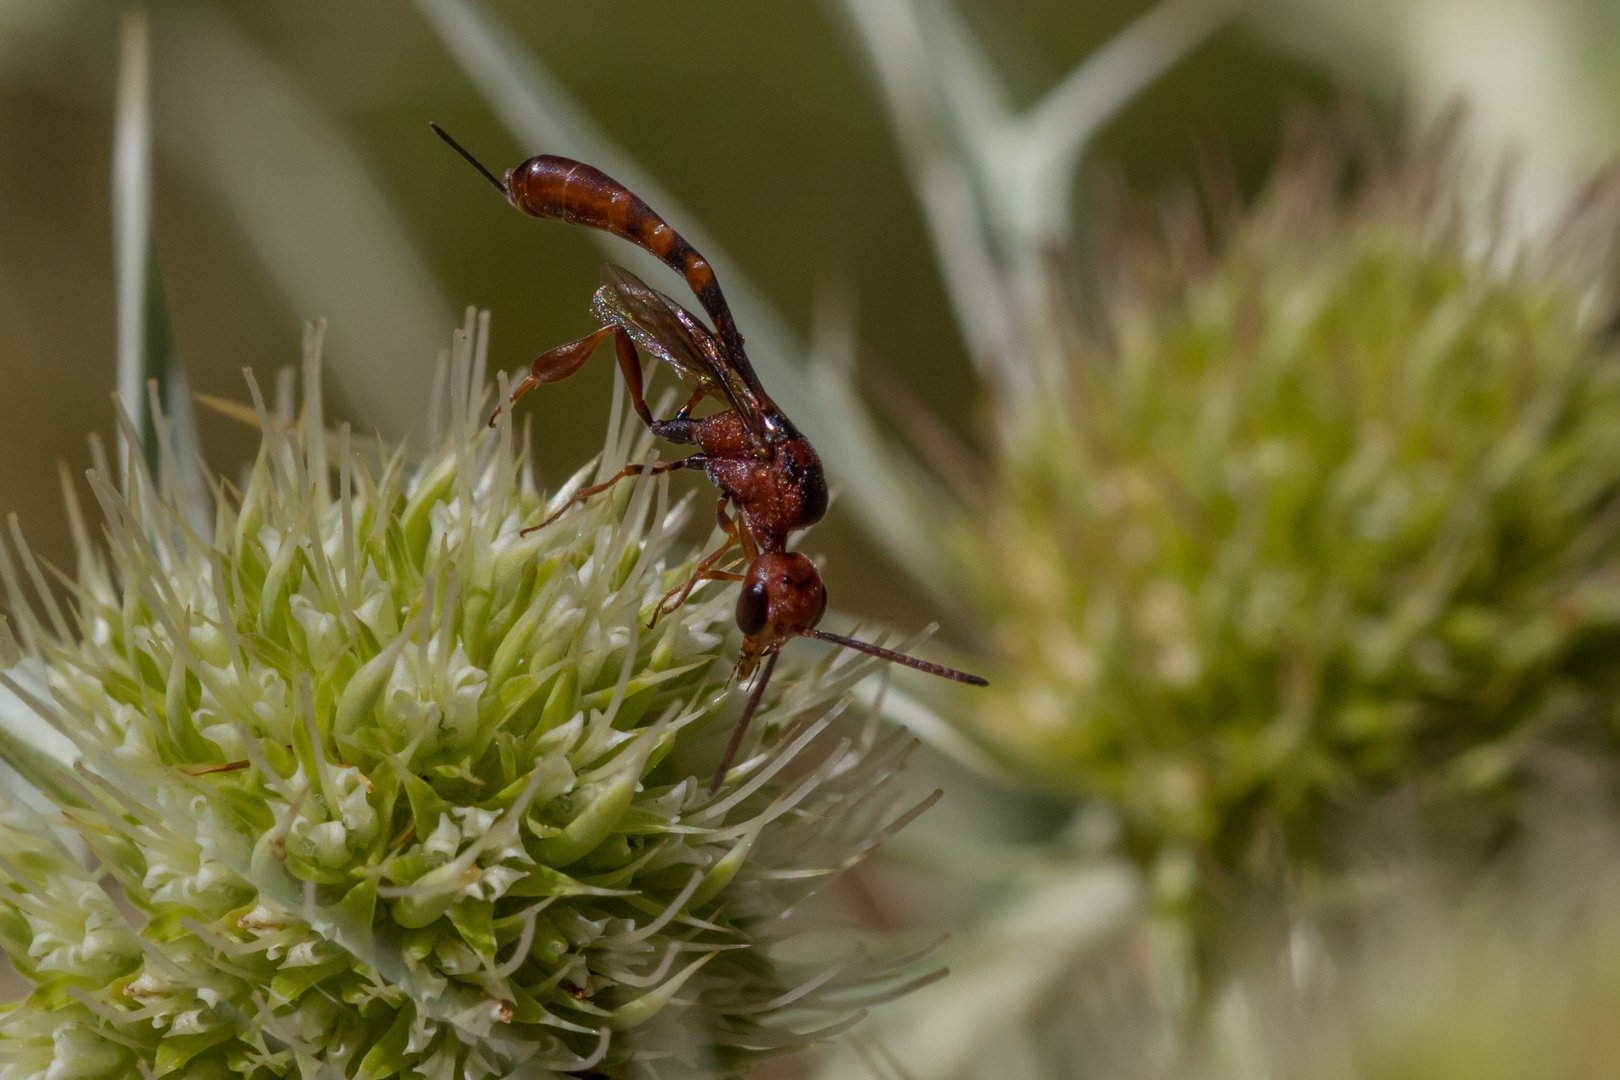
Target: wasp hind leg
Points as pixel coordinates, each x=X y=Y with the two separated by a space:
x=557 y=364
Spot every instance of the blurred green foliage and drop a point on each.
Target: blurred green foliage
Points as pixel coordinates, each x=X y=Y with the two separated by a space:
x=1514 y=974
x=760 y=120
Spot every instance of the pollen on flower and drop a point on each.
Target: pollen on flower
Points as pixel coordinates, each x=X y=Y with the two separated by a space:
x=394 y=787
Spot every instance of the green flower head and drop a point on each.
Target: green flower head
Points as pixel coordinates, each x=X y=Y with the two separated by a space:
x=371 y=783
x=1325 y=512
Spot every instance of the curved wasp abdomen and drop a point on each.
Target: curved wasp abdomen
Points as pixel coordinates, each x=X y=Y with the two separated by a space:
x=562 y=189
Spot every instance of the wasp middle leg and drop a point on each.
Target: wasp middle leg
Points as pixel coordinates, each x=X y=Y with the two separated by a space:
x=657 y=468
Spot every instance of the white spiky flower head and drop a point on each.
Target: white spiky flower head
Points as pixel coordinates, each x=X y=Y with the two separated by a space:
x=392 y=788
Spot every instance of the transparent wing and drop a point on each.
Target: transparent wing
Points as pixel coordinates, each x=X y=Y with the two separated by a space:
x=669 y=332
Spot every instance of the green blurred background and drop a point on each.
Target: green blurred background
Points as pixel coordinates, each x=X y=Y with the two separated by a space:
x=758 y=117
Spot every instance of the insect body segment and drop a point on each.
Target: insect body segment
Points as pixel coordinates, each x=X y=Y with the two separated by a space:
x=750 y=450
x=777 y=496
x=557 y=187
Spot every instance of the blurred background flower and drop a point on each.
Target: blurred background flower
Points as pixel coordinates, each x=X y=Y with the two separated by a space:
x=1323 y=508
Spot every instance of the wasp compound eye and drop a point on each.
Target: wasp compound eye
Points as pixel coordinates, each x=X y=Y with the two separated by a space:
x=753 y=606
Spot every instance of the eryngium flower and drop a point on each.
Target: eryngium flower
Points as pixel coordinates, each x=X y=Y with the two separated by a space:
x=389 y=788
x=1329 y=506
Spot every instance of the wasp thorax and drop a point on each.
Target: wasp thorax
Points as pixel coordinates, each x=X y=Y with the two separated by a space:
x=781 y=596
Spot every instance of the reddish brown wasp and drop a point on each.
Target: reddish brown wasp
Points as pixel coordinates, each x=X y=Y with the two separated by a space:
x=750 y=450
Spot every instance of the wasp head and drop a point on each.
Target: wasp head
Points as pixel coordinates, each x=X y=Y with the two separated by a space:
x=782 y=596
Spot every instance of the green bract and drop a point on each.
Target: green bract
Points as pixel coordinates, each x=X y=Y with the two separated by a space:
x=388 y=788
x=1333 y=510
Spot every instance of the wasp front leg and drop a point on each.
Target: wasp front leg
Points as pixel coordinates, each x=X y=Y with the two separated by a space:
x=703 y=571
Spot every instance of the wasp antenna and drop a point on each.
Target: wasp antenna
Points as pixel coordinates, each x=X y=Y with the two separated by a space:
x=464 y=152
x=742 y=723
x=897 y=658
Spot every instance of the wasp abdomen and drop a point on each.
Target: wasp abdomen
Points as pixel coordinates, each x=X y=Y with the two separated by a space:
x=563 y=189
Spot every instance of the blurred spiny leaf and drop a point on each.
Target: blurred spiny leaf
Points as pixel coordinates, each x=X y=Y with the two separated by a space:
x=146 y=349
